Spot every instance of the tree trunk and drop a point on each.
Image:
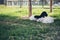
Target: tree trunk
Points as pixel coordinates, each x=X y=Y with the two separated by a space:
x=21 y=3
x=42 y=3
x=50 y=5
x=30 y=8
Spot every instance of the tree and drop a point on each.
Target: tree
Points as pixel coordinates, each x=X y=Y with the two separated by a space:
x=50 y=5
x=42 y=3
x=30 y=8
x=21 y=3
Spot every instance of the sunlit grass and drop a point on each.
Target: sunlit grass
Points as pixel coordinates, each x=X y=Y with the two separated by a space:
x=24 y=11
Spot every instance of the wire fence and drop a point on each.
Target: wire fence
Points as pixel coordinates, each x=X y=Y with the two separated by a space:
x=34 y=3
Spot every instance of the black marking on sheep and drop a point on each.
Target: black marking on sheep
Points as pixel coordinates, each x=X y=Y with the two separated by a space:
x=43 y=14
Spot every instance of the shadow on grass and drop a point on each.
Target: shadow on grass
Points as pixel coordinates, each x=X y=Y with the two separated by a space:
x=6 y=18
x=14 y=28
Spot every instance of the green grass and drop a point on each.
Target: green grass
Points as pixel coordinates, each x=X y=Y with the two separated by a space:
x=12 y=27
x=20 y=29
x=24 y=11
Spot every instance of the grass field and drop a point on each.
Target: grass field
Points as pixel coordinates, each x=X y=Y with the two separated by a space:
x=12 y=27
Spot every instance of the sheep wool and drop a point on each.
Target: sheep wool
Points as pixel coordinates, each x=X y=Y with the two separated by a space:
x=32 y=17
x=48 y=20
